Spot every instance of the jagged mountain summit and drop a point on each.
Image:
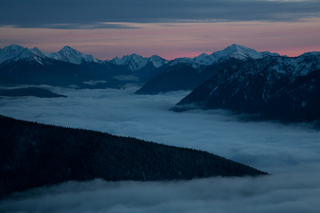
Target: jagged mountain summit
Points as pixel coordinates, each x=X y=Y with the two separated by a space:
x=68 y=54
x=281 y=88
x=15 y=53
x=234 y=51
x=68 y=67
x=10 y=52
x=157 y=61
x=71 y=67
x=137 y=62
x=16 y=62
x=189 y=73
x=239 y=52
x=34 y=155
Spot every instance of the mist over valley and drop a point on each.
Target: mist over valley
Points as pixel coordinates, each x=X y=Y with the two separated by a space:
x=290 y=153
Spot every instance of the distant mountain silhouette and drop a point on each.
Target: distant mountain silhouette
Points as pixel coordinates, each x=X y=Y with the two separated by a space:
x=34 y=155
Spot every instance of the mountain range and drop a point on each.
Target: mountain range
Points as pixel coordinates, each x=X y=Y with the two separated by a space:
x=69 y=67
x=280 y=88
x=189 y=73
x=237 y=78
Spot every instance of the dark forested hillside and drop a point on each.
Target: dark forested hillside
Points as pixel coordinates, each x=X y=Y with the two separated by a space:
x=35 y=154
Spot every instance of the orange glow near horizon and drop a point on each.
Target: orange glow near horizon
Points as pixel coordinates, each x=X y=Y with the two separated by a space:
x=172 y=40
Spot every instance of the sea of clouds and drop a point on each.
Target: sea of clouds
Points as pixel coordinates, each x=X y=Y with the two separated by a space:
x=290 y=153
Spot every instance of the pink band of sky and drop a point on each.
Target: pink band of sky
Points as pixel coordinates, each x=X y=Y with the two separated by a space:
x=172 y=40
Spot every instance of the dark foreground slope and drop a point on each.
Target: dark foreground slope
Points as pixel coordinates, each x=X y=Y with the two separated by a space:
x=35 y=154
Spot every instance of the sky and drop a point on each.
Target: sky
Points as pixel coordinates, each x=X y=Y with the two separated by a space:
x=168 y=28
x=289 y=152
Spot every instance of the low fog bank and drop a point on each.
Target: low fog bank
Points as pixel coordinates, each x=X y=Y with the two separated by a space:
x=291 y=153
x=276 y=193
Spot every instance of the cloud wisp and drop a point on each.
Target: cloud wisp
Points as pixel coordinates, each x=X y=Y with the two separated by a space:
x=289 y=152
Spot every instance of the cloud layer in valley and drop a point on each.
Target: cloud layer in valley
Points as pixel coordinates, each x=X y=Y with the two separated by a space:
x=291 y=153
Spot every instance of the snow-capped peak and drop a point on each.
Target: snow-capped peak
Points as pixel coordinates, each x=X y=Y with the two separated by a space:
x=234 y=51
x=133 y=61
x=239 y=52
x=13 y=48
x=157 y=61
x=10 y=52
x=68 y=49
x=16 y=52
x=68 y=54
x=136 y=62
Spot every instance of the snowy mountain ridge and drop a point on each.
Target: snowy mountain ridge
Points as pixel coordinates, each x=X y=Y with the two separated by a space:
x=15 y=52
x=234 y=51
x=276 y=87
x=238 y=52
x=66 y=54
x=137 y=62
x=134 y=62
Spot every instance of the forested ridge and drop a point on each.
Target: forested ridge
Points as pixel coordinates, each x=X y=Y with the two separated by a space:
x=34 y=154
